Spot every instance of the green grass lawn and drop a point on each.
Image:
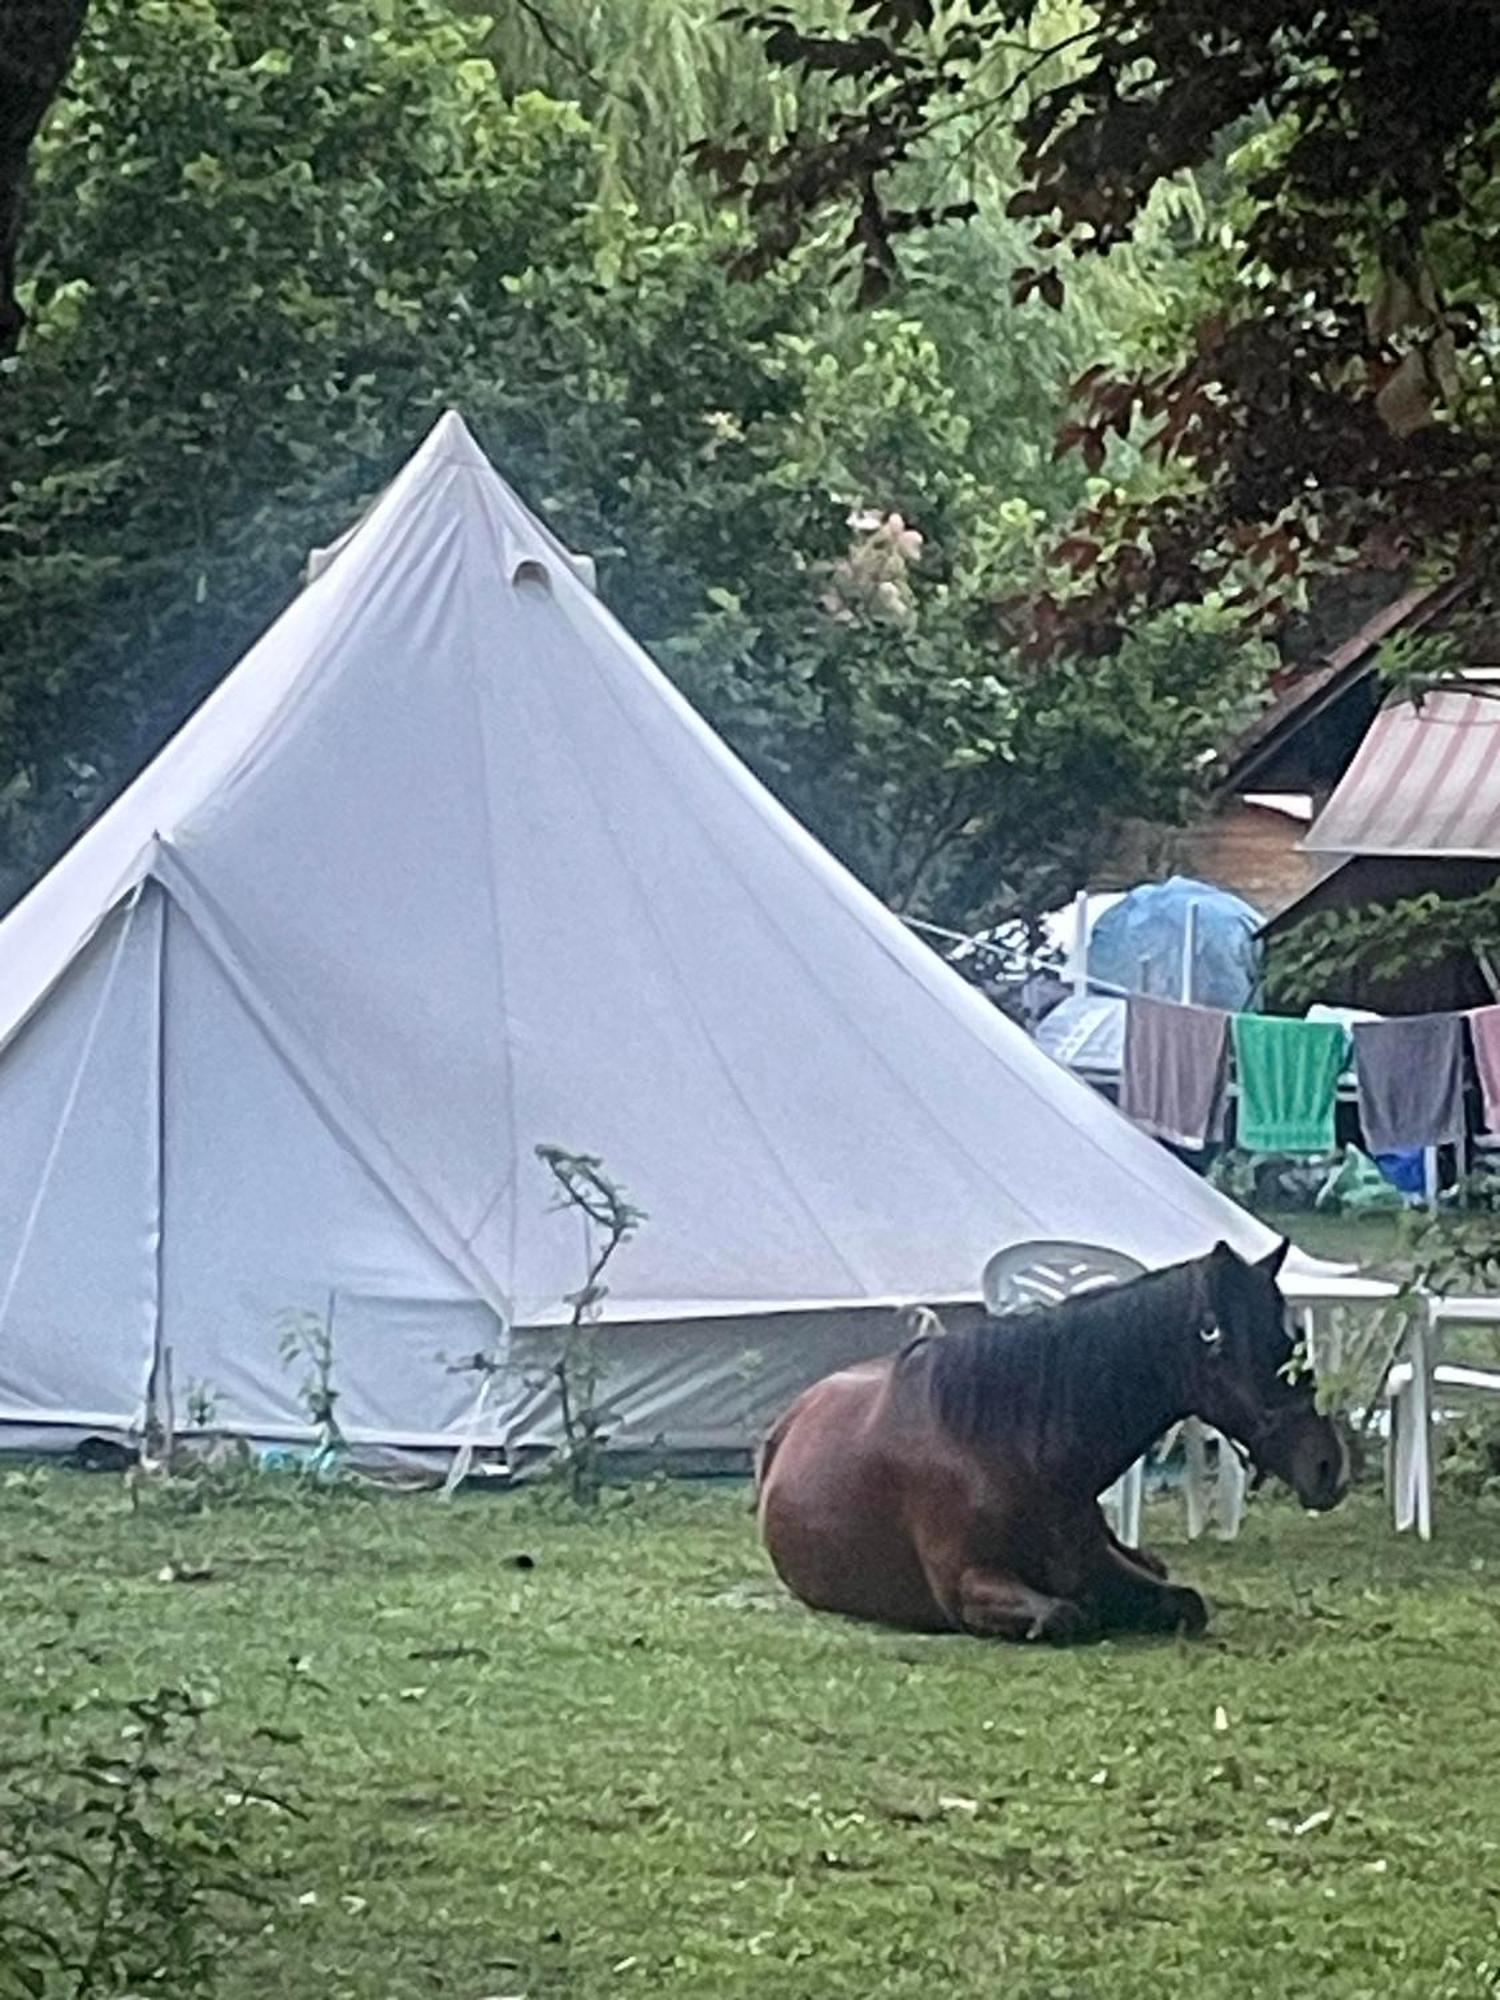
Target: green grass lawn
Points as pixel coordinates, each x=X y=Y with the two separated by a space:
x=1374 y=1241
x=637 y=1768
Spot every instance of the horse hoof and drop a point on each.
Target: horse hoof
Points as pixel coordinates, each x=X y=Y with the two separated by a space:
x=1063 y=1625
x=1192 y=1613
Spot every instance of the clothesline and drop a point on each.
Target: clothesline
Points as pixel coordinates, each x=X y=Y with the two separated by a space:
x=1410 y=1076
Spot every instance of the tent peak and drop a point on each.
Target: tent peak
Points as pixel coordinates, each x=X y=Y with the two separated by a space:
x=451 y=439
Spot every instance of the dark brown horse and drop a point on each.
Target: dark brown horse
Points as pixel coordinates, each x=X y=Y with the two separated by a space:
x=954 y=1486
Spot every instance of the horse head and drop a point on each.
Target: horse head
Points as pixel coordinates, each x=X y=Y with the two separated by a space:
x=1246 y=1380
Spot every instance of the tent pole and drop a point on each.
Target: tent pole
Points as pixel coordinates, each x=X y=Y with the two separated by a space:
x=1189 y=950
x=158 y=1416
x=1079 y=954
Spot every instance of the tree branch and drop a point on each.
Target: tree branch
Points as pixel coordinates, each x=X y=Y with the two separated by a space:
x=546 y=28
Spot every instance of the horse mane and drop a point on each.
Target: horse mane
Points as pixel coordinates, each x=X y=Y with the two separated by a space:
x=1040 y=1365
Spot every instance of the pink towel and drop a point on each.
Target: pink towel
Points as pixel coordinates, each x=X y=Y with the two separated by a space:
x=1484 y=1033
x=1174 y=1069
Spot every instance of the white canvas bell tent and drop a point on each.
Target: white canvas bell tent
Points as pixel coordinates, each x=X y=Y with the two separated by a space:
x=446 y=868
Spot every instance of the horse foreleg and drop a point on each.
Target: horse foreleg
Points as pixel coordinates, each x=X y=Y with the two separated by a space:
x=1142 y=1559
x=1127 y=1597
x=1000 y=1607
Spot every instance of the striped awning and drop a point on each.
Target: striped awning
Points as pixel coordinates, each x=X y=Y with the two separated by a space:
x=1425 y=781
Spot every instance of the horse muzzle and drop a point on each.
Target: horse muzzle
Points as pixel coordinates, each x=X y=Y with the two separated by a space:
x=1311 y=1455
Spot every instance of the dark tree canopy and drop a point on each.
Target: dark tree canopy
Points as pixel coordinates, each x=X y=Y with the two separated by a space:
x=1323 y=393
x=36 y=43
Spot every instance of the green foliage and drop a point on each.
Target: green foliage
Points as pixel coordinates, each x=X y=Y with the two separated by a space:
x=1414 y=664
x=36 y=42
x=1322 y=389
x=1469 y=1456
x=1452 y=1255
x=202 y=1405
x=1342 y=951
x=960 y=781
x=610 y=1219
x=270 y=243
x=651 y=76
x=307 y=1342
x=124 y=1863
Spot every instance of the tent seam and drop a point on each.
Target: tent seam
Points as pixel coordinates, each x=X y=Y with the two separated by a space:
x=479 y=689
x=327 y=1099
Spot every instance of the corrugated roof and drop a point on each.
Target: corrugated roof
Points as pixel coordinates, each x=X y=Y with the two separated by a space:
x=1425 y=781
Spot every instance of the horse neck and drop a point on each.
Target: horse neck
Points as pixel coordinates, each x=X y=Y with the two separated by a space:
x=1115 y=1386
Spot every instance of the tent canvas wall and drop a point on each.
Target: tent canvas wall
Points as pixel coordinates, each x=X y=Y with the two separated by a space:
x=443 y=869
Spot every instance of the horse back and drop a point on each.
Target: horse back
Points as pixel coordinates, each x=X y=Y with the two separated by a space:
x=836 y=1404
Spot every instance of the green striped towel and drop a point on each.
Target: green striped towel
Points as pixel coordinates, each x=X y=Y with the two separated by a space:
x=1289 y=1077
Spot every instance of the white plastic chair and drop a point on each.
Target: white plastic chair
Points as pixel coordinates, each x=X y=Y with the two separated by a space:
x=1411 y=1385
x=1045 y=1273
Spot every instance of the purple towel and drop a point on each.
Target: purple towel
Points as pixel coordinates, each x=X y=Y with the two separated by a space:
x=1411 y=1081
x=1174 y=1068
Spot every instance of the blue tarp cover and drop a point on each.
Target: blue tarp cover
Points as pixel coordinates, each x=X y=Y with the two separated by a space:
x=1138 y=945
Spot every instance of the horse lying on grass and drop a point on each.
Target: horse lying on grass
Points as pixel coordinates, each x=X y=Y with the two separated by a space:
x=954 y=1485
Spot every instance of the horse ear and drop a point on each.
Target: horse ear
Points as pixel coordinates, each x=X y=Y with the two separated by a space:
x=1218 y=1274
x=1272 y=1264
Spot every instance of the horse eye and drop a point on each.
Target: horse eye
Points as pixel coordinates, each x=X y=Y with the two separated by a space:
x=1211 y=1336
